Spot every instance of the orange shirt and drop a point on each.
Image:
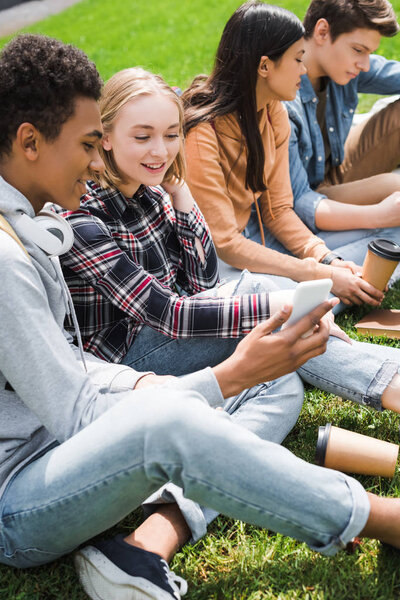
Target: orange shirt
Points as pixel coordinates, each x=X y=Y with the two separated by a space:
x=216 y=168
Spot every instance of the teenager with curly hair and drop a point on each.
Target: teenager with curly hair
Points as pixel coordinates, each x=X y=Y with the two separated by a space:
x=79 y=447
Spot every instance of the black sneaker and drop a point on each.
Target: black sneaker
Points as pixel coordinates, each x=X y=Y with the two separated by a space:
x=115 y=570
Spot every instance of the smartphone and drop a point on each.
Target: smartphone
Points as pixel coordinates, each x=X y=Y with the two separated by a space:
x=307 y=296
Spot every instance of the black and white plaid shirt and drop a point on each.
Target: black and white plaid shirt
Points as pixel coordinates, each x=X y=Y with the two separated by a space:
x=128 y=257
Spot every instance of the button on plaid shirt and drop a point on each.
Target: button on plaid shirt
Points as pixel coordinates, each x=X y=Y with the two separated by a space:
x=128 y=257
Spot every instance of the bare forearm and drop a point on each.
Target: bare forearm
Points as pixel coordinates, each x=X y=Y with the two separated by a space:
x=337 y=216
x=363 y=192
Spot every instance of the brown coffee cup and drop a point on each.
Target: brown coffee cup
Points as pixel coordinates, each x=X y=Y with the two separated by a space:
x=380 y=262
x=352 y=452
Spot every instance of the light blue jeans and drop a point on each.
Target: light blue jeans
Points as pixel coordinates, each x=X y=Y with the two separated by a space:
x=357 y=371
x=90 y=482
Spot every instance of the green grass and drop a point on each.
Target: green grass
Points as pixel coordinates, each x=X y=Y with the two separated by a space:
x=234 y=561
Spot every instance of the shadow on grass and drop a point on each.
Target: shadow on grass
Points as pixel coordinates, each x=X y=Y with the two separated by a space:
x=275 y=567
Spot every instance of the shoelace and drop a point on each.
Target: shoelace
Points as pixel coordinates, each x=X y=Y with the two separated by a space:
x=178 y=584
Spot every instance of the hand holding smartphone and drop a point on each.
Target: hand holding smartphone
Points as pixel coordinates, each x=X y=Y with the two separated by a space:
x=307 y=296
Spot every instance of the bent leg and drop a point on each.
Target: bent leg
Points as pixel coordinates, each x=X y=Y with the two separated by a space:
x=97 y=477
x=371 y=147
x=270 y=410
x=359 y=371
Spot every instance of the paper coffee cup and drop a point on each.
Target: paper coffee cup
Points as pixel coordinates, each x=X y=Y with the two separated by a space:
x=352 y=452
x=380 y=262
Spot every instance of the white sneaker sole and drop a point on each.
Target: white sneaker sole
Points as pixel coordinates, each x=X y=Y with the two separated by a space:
x=102 y=580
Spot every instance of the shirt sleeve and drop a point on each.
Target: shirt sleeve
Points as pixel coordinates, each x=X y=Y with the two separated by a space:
x=305 y=199
x=194 y=275
x=37 y=359
x=282 y=220
x=96 y=258
x=383 y=77
x=207 y=182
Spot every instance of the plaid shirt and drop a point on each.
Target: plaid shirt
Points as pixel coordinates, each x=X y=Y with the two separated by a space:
x=128 y=256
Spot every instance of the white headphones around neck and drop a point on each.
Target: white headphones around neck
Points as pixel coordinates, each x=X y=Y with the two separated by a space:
x=47 y=230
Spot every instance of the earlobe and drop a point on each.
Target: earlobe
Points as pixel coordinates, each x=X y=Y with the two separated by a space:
x=27 y=139
x=263 y=66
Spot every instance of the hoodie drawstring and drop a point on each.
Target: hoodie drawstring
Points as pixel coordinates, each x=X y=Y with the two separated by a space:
x=69 y=306
x=260 y=223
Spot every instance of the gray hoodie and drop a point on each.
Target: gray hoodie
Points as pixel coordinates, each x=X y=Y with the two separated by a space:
x=46 y=395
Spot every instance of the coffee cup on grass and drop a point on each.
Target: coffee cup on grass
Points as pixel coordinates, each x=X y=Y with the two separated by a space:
x=352 y=452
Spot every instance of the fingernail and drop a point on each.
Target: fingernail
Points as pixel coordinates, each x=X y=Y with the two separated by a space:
x=285 y=309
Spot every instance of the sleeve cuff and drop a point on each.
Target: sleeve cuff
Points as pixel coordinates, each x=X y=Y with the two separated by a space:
x=305 y=206
x=191 y=224
x=205 y=383
x=110 y=377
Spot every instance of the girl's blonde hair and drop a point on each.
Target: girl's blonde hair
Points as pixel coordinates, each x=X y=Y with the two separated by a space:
x=118 y=91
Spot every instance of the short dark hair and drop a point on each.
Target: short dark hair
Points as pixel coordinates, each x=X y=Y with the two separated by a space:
x=254 y=30
x=40 y=80
x=344 y=16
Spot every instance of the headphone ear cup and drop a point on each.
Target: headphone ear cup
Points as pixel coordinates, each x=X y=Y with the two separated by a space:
x=49 y=231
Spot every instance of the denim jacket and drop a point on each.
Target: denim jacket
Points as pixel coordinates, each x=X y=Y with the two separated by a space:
x=306 y=148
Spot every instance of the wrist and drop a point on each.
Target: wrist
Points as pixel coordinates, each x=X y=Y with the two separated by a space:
x=329 y=258
x=337 y=262
x=144 y=380
x=226 y=376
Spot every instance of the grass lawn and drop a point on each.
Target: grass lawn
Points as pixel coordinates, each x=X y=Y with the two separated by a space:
x=234 y=561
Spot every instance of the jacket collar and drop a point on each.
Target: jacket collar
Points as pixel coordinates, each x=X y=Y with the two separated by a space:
x=307 y=92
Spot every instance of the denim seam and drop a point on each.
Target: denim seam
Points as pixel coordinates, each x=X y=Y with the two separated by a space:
x=195 y=480
x=261 y=510
x=98 y=483
x=346 y=390
x=30 y=549
x=153 y=349
x=379 y=383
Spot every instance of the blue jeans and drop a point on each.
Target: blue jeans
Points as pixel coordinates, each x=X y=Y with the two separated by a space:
x=350 y=245
x=93 y=480
x=357 y=371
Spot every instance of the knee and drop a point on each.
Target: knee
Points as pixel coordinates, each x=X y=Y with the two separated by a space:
x=249 y=283
x=389 y=183
x=179 y=413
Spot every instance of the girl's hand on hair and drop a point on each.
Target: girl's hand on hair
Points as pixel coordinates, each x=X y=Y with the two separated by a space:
x=182 y=200
x=181 y=196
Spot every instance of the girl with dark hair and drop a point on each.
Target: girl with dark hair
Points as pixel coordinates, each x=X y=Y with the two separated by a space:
x=237 y=141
